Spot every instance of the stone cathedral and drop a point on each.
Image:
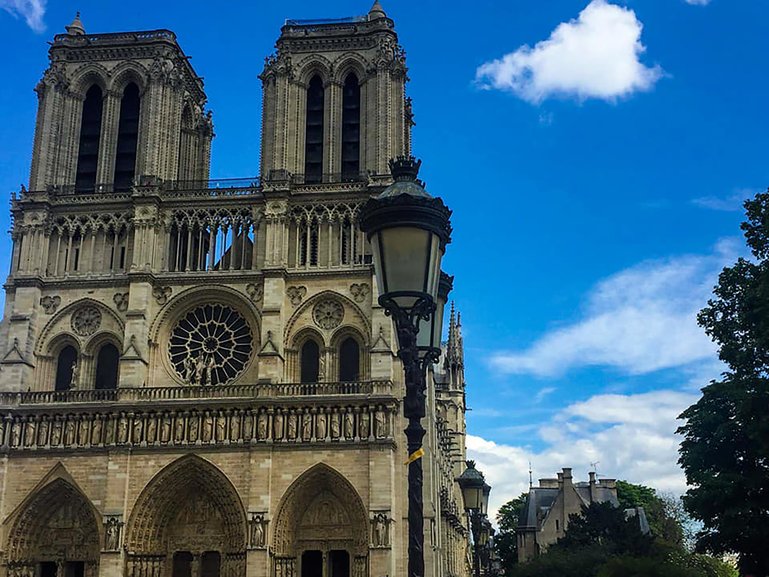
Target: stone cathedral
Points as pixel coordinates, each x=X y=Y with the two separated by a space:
x=196 y=379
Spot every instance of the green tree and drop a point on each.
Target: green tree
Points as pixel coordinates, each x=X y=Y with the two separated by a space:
x=505 y=540
x=603 y=525
x=665 y=517
x=725 y=451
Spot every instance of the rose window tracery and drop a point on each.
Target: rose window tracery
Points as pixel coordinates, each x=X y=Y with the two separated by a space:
x=328 y=314
x=210 y=345
x=86 y=320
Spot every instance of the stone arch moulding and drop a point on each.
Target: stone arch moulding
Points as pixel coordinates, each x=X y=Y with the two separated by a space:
x=88 y=75
x=312 y=65
x=55 y=522
x=320 y=490
x=190 y=505
x=59 y=324
x=125 y=73
x=350 y=62
x=354 y=316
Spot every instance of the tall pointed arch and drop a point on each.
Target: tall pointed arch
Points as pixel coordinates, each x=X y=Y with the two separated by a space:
x=314 y=130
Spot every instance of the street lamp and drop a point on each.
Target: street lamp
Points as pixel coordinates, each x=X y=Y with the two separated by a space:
x=431 y=331
x=475 y=492
x=408 y=230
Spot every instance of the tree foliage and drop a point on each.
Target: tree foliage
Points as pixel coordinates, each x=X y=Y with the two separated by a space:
x=725 y=451
x=666 y=518
x=505 y=540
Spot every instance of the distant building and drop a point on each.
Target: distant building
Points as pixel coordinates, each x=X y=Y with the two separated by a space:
x=546 y=514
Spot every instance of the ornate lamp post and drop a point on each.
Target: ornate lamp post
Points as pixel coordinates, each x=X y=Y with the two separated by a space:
x=409 y=230
x=475 y=492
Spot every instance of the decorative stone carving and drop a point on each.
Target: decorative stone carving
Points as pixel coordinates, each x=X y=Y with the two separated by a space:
x=359 y=291
x=380 y=534
x=210 y=345
x=162 y=294
x=86 y=320
x=121 y=301
x=73 y=381
x=50 y=303
x=257 y=530
x=328 y=314
x=255 y=292
x=295 y=294
x=113 y=529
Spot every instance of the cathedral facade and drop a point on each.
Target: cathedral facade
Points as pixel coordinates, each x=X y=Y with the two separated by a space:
x=196 y=379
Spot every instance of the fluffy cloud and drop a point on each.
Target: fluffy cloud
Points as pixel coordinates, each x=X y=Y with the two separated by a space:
x=631 y=437
x=594 y=56
x=698 y=2
x=730 y=203
x=639 y=320
x=32 y=11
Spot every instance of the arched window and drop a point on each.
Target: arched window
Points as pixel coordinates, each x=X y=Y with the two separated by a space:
x=90 y=131
x=351 y=128
x=66 y=365
x=127 y=138
x=186 y=136
x=349 y=360
x=313 y=136
x=309 y=359
x=107 y=363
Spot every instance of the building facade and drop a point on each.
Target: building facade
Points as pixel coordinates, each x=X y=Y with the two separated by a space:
x=545 y=515
x=196 y=379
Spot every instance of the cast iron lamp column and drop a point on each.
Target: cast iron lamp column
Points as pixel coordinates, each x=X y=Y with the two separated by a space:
x=475 y=492
x=408 y=230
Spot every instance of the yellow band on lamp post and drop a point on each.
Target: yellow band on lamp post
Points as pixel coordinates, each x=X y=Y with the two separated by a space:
x=418 y=454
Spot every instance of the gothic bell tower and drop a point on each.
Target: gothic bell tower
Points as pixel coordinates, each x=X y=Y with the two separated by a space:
x=334 y=99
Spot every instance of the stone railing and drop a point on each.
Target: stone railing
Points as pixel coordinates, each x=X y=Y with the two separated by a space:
x=175 y=393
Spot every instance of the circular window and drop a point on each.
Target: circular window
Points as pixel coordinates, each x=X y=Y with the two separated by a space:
x=210 y=345
x=328 y=314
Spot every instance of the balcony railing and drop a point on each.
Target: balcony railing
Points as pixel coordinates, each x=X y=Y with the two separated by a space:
x=175 y=393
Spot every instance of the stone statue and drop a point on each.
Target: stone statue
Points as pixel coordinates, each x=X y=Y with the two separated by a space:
x=96 y=431
x=29 y=433
x=257 y=531
x=112 y=534
x=363 y=425
x=122 y=429
x=165 y=431
x=210 y=366
x=193 y=428
x=380 y=530
x=292 y=426
x=69 y=432
x=151 y=429
x=261 y=427
x=320 y=427
x=248 y=426
x=16 y=434
x=349 y=425
x=335 y=428
x=42 y=432
x=200 y=367
x=83 y=431
x=277 y=422
x=322 y=368
x=189 y=370
x=179 y=429
x=75 y=375
x=306 y=426
x=138 y=426
x=56 y=433
x=208 y=428
x=234 y=428
x=380 y=425
x=221 y=427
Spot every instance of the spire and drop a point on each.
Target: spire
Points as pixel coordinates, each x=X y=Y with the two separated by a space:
x=76 y=28
x=451 y=347
x=376 y=11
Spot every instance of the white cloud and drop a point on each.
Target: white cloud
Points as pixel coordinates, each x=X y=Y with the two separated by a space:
x=730 y=203
x=698 y=2
x=639 y=320
x=32 y=11
x=631 y=437
x=593 y=56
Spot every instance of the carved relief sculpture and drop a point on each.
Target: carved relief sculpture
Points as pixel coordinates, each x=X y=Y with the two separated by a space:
x=162 y=294
x=50 y=303
x=257 y=530
x=379 y=533
x=359 y=292
x=328 y=314
x=121 y=301
x=295 y=294
x=112 y=533
x=86 y=320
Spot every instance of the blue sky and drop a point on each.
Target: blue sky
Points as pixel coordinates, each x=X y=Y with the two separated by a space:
x=595 y=154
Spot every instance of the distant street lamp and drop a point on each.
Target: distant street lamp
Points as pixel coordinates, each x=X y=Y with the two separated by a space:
x=408 y=230
x=475 y=492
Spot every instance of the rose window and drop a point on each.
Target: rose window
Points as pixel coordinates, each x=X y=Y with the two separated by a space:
x=211 y=345
x=328 y=314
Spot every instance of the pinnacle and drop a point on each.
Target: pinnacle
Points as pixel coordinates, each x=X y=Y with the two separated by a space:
x=76 y=27
x=376 y=11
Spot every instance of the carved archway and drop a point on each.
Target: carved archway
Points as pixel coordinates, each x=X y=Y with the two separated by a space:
x=320 y=511
x=56 y=528
x=190 y=506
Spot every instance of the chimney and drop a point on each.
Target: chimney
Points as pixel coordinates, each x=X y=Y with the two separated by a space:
x=548 y=483
x=566 y=475
x=560 y=480
x=591 y=474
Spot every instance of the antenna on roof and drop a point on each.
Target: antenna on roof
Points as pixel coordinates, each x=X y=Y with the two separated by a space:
x=531 y=479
